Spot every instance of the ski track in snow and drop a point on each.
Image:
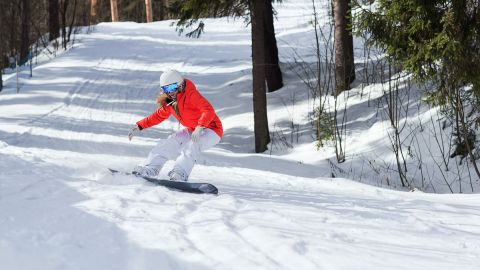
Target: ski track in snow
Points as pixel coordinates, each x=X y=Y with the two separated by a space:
x=61 y=209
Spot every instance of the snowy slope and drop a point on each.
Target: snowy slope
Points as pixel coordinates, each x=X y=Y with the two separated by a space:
x=61 y=209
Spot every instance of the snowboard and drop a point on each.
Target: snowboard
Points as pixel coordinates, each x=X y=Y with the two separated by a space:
x=199 y=188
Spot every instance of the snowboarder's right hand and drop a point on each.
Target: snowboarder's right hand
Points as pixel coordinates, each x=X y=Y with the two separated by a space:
x=133 y=131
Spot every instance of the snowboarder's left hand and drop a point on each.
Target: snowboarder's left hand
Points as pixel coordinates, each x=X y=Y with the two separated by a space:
x=133 y=131
x=196 y=133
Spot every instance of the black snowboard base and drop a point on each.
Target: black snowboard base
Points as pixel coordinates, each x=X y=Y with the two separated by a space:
x=198 y=188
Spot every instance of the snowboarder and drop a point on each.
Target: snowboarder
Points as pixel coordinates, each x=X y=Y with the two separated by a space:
x=203 y=129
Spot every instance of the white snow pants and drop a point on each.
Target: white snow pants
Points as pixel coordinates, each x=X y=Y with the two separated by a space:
x=180 y=147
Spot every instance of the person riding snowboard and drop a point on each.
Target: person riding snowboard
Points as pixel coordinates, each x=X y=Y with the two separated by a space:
x=203 y=129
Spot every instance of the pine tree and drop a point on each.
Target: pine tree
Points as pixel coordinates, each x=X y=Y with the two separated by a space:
x=434 y=40
x=190 y=11
x=437 y=41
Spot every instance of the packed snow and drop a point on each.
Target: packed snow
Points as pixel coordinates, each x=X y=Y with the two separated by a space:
x=60 y=208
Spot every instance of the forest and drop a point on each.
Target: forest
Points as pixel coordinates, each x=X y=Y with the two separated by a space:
x=239 y=134
x=433 y=44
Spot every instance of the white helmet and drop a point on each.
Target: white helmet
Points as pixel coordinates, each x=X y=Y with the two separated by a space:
x=171 y=76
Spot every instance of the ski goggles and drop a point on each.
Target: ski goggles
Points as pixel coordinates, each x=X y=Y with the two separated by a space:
x=170 y=88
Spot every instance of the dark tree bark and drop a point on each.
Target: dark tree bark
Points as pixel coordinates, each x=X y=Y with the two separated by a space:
x=64 y=23
x=72 y=22
x=262 y=135
x=13 y=27
x=2 y=44
x=53 y=21
x=162 y=10
x=349 y=37
x=1 y=60
x=93 y=12
x=343 y=47
x=25 y=38
x=272 y=68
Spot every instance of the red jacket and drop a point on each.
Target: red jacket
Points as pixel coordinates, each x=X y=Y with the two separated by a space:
x=194 y=110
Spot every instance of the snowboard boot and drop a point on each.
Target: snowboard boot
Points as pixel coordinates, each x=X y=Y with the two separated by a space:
x=177 y=176
x=146 y=171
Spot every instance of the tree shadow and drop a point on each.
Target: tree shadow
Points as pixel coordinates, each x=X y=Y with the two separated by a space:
x=47 y=224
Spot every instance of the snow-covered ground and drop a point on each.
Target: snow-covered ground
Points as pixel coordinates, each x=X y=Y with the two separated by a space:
x=61 y=209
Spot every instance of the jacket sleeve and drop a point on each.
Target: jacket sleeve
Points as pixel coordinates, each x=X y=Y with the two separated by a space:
x=154 y=119
x=207 y=113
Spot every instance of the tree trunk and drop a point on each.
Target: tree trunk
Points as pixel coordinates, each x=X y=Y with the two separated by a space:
x=341 y=48
x=262 y=135
x=93 y=12
x=2 y=44
x=148 y=7
x=72 y=22
x=350 y=65
x=2 y=64
x=13 y=33
x=272 y=68
x=162 y=10
x=114 y=9
x=53 y=21
x=25 y=43
x=64 y=23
